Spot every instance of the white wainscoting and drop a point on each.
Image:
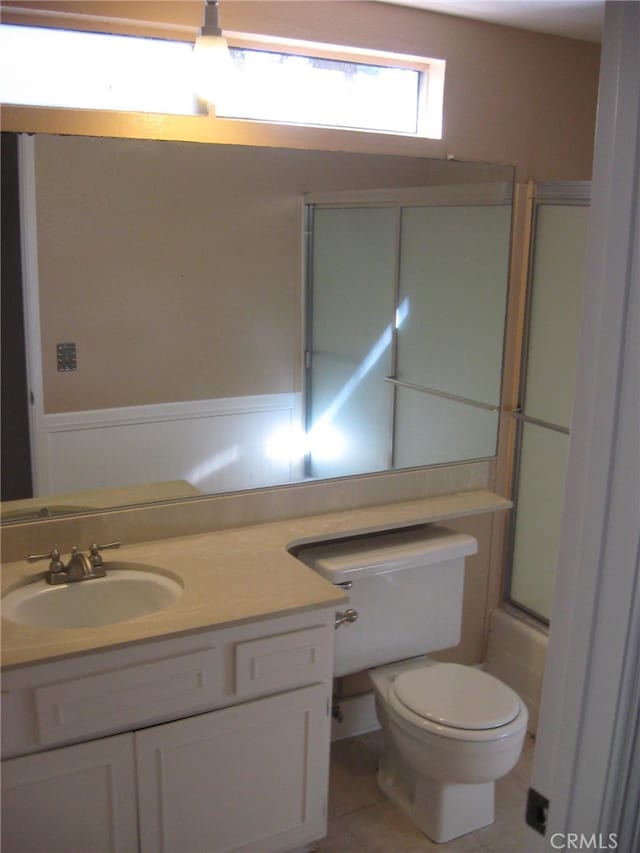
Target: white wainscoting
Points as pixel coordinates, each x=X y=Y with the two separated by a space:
x=217 y=445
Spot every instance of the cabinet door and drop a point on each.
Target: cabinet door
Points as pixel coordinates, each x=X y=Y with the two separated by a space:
x=251 y=777
x=78 y=798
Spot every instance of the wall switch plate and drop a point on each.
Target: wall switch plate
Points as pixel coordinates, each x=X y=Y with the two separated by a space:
x=66 y=357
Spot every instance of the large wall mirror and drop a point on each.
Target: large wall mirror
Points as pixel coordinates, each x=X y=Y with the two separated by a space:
x=194 y=310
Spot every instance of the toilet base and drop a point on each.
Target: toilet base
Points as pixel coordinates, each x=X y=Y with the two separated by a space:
x=442 y=811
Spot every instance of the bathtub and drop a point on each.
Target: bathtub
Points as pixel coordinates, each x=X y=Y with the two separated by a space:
x=516 y=654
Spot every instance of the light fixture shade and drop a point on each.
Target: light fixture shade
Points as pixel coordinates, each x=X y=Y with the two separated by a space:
x=212 y=66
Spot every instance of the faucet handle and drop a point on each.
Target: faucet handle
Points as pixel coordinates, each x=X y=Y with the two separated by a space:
x=94 y=551
x=56 y=564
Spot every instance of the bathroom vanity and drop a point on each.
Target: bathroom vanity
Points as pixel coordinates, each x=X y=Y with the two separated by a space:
x=201 y=726
x=210 y=733
x=214 y=741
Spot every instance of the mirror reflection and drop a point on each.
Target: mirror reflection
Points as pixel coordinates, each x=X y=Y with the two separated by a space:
x=168 y=348
x=407 y=300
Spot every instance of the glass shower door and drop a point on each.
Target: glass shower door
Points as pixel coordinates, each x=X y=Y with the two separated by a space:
x=547 y=389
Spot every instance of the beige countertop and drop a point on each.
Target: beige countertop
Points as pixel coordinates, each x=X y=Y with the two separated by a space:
x=229 y=576
x=28 y=509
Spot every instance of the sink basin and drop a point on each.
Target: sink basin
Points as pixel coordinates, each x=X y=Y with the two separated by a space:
x=128 y=591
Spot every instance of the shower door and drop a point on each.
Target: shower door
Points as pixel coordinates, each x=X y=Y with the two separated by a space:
x=556 y=274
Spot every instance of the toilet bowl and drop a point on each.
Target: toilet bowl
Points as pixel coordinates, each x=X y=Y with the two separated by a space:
x=450 y=732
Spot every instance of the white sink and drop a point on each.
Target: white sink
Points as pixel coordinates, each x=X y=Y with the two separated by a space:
x=129 y=590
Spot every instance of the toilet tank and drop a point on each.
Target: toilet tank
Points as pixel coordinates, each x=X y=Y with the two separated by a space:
x=406 y=586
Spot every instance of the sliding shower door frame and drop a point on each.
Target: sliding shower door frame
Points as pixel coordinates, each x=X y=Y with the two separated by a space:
x=564 y=194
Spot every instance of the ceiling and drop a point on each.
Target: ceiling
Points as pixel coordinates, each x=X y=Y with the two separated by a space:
x=579 y=19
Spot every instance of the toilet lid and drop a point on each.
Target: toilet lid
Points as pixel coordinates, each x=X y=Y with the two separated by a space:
x=457 y=696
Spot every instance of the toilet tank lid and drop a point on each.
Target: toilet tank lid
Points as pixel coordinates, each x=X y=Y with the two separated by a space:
x=378 y=553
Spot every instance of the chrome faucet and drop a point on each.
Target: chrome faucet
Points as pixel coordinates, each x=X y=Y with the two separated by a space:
x=80 y=566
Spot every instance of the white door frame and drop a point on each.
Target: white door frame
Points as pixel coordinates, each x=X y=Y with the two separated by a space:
x=589 y=714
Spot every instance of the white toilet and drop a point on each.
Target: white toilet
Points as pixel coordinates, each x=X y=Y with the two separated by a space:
x=450 y=731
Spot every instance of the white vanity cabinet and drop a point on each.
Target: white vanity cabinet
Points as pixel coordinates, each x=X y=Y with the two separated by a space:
x=224 y=743
x=77 y=798
x=270 y=759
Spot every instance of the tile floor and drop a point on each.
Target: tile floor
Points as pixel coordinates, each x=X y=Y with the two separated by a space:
x=361 y=820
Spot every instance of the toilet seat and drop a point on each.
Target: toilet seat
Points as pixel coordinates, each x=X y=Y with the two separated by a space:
x=456 y=702
x=458 y=696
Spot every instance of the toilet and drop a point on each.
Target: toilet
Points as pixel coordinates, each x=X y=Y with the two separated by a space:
x=450 y=731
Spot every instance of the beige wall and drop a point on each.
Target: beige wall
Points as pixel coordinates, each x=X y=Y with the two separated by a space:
x=511 y=96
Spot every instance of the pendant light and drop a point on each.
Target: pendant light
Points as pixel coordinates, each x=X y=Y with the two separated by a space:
x=212 y=61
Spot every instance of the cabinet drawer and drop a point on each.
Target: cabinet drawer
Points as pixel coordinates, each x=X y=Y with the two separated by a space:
x=283 y=660
x=104 y=703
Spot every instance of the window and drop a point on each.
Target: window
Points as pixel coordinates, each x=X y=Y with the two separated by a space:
x=71 y=68
x=293 y=84
x=311 y=90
